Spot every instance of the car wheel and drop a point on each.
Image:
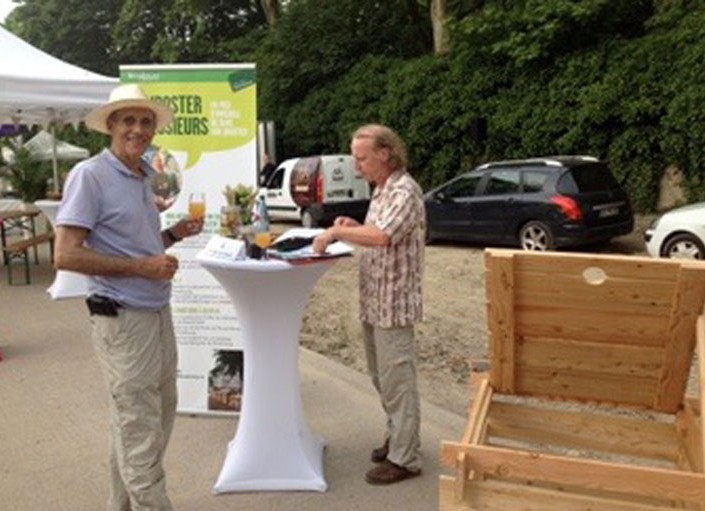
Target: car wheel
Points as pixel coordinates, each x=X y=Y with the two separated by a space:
x=307 y=219
x=684 y=246
x=536 y=235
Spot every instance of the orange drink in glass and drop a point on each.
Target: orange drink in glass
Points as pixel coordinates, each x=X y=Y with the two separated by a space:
x=197 y=205
x=263 y=239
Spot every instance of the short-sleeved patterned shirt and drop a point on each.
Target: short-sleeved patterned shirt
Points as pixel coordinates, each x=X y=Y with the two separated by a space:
x=390 y=277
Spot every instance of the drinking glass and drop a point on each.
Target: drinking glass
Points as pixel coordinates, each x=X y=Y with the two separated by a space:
x=263 y=240
x=197 y=205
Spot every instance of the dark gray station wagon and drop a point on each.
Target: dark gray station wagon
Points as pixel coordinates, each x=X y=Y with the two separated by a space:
x=537 y=204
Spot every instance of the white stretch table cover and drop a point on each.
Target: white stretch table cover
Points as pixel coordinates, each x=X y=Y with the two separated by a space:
x=273 y=448
x=67 y=284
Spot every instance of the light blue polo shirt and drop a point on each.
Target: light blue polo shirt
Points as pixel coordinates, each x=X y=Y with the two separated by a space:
x=117 y=207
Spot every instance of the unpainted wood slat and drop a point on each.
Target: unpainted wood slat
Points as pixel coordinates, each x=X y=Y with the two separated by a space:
x=581 y=430
x=691 y=438
x=502 y=496
x=499 y=288
x=629 y=295
x=475 y=431
x=590 y=474
x=571 y=355
x=687 y=305
x=628 y=267
x=699 y=405
x=605 y=327
x=586 y=386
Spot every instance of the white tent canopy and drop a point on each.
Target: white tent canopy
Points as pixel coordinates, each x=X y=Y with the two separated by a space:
x=36 y=88
x=41 y=146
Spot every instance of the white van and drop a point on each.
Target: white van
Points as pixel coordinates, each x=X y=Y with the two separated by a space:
x=317 y=189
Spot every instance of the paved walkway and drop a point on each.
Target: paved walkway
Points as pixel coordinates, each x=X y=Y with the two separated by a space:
x=53 y=439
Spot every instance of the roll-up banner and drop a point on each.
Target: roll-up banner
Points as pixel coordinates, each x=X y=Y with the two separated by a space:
x=210 y=144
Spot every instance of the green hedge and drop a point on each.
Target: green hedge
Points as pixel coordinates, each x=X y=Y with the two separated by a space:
x=619 y=80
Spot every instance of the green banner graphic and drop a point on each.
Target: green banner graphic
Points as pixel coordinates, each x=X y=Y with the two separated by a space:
x=215 y=110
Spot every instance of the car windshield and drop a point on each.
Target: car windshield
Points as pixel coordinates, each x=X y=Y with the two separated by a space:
x=594 y=177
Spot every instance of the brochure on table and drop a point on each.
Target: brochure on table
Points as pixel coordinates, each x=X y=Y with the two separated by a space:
x=210 y=144
x=227 y=250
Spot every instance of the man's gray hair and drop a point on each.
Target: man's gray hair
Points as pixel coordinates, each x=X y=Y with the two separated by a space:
x=385 y=137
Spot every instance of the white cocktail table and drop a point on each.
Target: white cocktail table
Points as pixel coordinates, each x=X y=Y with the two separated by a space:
x=273 y=447
x=67 y=284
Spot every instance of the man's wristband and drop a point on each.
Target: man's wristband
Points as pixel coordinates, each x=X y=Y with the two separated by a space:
x=172 y=236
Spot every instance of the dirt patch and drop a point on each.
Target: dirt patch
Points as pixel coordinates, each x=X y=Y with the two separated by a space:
x=453 y=334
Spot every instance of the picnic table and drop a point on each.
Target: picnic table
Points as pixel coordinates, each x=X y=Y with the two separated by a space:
x=18 y=233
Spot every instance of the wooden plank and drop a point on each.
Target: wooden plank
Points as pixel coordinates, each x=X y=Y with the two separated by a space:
x=474 y=432
x=28 y=212
x=569 y=355
x=631 y=295
x=690 y=420
x=594 y=432
x=691 y=439
x=501 y=496
x=629 y=267
x=699 y=406
x=605 y=327
x=589 y=474
x=678 y=356
x=476 y=426
x=25 y=243
x=499 y=289
x=586 y=386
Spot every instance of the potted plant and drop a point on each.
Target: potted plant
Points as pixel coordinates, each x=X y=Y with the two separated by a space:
x=238 y=209
x=27 y=176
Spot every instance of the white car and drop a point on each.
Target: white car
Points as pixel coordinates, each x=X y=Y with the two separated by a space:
x=679 y=233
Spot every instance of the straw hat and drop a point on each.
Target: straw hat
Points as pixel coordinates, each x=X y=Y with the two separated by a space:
x=128 y=95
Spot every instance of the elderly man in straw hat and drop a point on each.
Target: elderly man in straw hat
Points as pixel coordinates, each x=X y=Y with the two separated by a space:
x=108 y=228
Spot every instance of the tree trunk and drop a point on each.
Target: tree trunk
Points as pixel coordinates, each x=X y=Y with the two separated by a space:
x=271 y=11
x=439 y=16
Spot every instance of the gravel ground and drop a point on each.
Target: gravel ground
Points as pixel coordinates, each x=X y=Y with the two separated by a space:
x=452 y=336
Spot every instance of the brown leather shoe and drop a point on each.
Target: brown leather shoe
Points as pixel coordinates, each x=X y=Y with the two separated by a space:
x=380 y=453
x=389 y=473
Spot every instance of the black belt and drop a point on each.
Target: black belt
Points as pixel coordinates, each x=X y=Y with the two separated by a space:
x=102 y=305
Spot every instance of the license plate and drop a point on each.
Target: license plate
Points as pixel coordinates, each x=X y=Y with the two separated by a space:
x=607 y=212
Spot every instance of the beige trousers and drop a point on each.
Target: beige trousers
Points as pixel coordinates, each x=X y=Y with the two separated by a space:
x=391 y=362
x=137 y=354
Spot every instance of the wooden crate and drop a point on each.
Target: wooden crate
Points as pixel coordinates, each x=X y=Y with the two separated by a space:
x=584 y=407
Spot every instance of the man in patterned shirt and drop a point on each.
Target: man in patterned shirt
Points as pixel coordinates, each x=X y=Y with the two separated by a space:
x=391 y=268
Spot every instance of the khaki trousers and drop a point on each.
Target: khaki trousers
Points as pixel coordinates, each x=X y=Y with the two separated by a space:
x=137 y=354
x=391 y=362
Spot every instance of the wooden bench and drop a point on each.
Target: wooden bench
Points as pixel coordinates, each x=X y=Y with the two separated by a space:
x=19 y=250
x=585 y=407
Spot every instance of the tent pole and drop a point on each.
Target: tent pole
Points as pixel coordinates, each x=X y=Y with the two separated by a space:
x=55 y=159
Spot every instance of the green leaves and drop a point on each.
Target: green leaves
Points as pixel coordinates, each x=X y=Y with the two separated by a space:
x=27 y=176
x=618 y=79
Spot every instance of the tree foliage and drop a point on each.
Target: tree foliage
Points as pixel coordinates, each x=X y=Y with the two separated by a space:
x=69 y=30
x=317 y=41
x=618 y=79
x=183 y=30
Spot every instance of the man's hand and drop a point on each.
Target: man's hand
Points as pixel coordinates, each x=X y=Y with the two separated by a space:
x=71 y=254
x=158 y=267
x=187 y=226
x=321 y=242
